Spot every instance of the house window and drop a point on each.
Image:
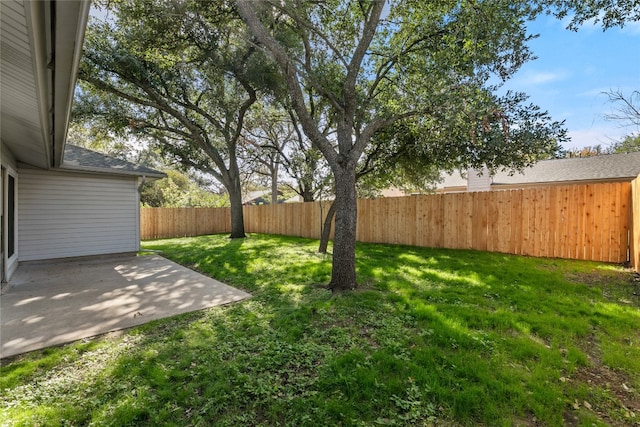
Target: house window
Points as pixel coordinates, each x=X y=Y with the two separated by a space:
x=11 y=215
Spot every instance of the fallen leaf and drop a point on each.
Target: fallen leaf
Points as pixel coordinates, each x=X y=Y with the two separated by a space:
x=587 y=405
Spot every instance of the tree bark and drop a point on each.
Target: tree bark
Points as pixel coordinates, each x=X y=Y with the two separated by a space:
x=307 y=196
x=343 y=274
x=326 y=229
x=274 y=183
x=237 y=217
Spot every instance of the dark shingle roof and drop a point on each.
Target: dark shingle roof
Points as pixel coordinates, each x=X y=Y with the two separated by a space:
x=82 y=159
x=605 y=167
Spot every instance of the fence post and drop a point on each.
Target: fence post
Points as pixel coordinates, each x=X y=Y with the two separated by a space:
x=634 y=224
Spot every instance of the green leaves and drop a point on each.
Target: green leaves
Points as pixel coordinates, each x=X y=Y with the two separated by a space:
x=178 y=190
x=616 y=13
x=427 y=67
x=182 y=74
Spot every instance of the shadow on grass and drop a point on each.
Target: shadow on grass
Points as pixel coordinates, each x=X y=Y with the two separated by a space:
x=523 y=312
x=460 y=337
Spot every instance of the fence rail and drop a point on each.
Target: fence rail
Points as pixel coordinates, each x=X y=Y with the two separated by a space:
x=592 y=221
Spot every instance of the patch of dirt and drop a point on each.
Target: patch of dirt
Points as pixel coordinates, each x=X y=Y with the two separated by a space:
x=596 y=277
x=623 y=287
x=622 y=409
x=621 y=404
x=528 y=421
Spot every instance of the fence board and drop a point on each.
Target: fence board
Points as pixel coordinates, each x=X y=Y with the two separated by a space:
x=635 y=224
x=525 y=223
x=498 y=222
x=451 y=220
x=582 y=223
x=437 y=224
x=597 y=228
x=595 y=221
x=480 y=218
x=408 y=230
x=549 y=222
x=515 y=240
x=615 y=207
x=363 y=233
x=624 y=219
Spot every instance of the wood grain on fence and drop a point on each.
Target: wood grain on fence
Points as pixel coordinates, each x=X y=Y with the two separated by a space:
x=590 y=221
x=161 y=223
x=635 y=224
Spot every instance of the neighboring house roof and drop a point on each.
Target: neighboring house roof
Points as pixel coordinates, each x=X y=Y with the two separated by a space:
x=392 y=192
x=597 y=168
x=85 y=160
x=258 y=197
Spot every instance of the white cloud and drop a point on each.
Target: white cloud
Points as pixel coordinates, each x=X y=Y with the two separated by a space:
x=540 y=78
x=599 y=92
x=536 y=78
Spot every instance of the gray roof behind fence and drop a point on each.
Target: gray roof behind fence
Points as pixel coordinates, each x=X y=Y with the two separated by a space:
x=596 y=168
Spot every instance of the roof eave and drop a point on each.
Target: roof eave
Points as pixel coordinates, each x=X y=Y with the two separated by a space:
x=116 y=172
x=67 y=37
x=569 y=182
x=38 y=18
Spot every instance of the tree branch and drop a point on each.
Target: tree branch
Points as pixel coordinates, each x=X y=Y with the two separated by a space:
x=353 y=69
x=248 y=13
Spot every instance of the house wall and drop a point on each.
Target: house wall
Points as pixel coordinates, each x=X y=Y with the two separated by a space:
x=8 y=160
x=63 y=214
x=478 y=179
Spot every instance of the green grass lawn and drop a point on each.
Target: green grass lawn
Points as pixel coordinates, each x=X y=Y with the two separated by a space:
x=432 y=337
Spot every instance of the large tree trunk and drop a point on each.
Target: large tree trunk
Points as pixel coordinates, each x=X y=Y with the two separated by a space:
x=343 y=274
x=237 y=217
x=307 y=196
x=326 y=229
x=306 y=192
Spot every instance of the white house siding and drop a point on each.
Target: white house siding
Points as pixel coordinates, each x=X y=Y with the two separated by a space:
x=63 y=214
x=478 y=180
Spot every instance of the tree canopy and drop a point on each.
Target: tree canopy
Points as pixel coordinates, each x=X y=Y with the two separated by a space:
x=178 y=190
x=181 y=73
x=427 y=68
x=389 y=90
x=607 y=13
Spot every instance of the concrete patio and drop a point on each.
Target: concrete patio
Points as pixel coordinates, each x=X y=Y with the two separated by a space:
x=49 y=304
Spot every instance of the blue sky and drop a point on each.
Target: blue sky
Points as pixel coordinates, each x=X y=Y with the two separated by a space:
x=573 y=70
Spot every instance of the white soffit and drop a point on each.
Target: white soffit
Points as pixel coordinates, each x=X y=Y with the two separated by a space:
x=21 y=118
x=38 y=68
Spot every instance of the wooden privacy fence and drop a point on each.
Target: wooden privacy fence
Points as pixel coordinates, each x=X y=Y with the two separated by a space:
x=591 y=221
x=161 y=223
